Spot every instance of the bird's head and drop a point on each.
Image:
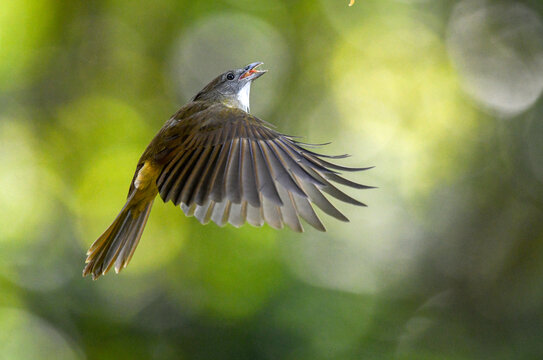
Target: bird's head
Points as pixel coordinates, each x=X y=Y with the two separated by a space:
x=232 y=87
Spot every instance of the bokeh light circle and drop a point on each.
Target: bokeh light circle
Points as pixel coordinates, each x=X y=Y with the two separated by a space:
x=498 y=52
x=400 y=109
x=228 y=41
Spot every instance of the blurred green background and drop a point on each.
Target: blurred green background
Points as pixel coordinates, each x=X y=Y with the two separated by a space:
x=442 y=96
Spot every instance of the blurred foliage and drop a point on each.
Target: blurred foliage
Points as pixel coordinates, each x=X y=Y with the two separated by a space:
x=442 y=96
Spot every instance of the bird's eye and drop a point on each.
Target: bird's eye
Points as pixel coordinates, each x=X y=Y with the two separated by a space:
x=230 y=76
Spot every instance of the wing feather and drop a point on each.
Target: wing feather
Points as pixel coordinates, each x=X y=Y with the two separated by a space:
x=228 y=166
x=221 y=212
x=254 y=215
x=216 y=184
x=323 y=203
x=186 y=193
x=271 y=214
x=203 y=212
x=307 y=213
x=288 y=210
x=238 y=214
x=265 y=181
x=171 y=176
x=183 y=174
x=248 y=176
x=291 y=163
x=280 y=173
x=201 y=190
x=232 y=174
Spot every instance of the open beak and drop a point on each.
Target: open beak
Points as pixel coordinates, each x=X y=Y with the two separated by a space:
x=251 y=72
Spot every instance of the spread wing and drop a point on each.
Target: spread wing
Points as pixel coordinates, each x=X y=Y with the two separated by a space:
x=231 y=167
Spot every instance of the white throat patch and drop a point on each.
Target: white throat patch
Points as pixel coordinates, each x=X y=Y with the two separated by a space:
x=243 y=96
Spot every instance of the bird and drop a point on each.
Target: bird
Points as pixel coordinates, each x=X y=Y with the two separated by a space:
x=218 y=162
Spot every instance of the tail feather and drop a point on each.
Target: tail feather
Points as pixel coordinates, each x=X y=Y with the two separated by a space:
x=117 y=244
x=133 y=239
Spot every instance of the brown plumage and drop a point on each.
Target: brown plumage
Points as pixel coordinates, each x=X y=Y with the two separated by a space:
x=219 y=163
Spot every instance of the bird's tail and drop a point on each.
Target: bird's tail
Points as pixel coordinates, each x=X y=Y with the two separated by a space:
x=117 y=244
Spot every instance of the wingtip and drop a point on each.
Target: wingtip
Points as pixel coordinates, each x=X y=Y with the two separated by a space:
x=359 y=203
x=361 y=169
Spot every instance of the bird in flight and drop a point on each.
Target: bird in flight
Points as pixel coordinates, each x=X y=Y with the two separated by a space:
x=220 y=163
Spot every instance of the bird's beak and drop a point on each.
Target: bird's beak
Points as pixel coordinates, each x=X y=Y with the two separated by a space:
x=251 y=73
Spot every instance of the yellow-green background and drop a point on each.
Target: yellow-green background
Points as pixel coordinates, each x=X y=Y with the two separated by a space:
x=441 y=96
